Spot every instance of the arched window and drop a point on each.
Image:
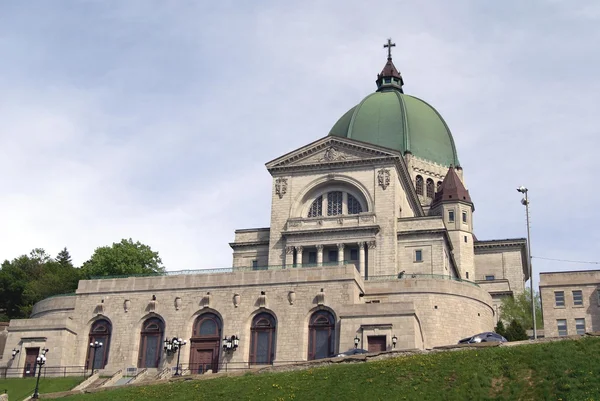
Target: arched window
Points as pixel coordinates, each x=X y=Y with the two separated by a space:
x=316 y=209
x=334 y=203
x=419 y=185
x=439 y=186
x=321 y=340
x=151 y=343
x=205 y=343
x=338 y=202
x=430 y=188
x=262 y=341
x=354 y=206
x=100 y=331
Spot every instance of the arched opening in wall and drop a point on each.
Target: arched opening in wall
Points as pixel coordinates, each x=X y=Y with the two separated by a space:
x=335 y=203
x=205 y=344
x=100 y=331
x=321 y=331
x=419 y=185
x=430 y=188
x=262 y=339
x=151 y=340
x=439 y=186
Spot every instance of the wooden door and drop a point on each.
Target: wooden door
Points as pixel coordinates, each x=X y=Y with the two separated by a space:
x=377 y=343
x=203 y=359
x=31 y=355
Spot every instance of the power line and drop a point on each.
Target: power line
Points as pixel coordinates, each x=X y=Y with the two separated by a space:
x=567 y=261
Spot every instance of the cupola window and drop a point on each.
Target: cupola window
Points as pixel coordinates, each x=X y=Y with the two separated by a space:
x=419 y=185
x=430 y=188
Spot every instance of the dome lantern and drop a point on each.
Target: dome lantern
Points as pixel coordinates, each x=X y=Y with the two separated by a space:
x=389 y=78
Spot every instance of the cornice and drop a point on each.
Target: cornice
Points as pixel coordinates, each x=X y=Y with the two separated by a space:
x=372 y=228
x=248 y=243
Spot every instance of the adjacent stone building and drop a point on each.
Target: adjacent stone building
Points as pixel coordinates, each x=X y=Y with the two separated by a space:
x=370 y=244
x=570 y=302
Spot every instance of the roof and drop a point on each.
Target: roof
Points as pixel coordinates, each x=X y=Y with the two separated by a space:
x=452 y=189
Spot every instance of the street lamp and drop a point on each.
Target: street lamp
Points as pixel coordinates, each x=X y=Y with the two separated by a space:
x=39 y=361
x=95 y=345
x=394 y=341
x=356 y=341
x=174 y=345
x=15 y=352
x=231 y=344
x=525 y=202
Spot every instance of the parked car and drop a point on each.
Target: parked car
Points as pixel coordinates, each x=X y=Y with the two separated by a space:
x=354 y=351
x=483 y=338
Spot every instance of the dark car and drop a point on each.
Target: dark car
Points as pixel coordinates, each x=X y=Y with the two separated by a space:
x=354 y=351
x=483 y=338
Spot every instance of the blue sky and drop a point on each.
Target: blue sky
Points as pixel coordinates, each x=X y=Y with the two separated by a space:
x=153 y=119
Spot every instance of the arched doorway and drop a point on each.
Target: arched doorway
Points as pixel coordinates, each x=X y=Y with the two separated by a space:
x=152 y=335
x=321 y=332
x=100 y=331
x=205 y=343
x=263 y=337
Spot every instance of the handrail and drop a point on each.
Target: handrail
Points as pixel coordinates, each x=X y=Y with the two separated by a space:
x=409 y=276
x=224 y=270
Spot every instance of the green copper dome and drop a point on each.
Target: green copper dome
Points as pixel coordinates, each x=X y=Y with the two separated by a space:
x=402 y=122
x=391 y=119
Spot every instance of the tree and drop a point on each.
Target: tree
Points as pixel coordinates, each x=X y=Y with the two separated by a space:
x=519 y=308
x=500 y=328
x=64 y=258
x=122 y=259
x=30 y=278
x=515 y=332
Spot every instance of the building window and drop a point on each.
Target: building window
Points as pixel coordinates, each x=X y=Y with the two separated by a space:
x=465 y=238
x=418 y=255
x=430 y=188
x=316 y=209
x=464 y=217
x=419 y=185
x=562 y=327
x=262 y=341
x=490 y=277
x=577 y=298
x=559 y=298
x=334 y=203
x=254 y=264
x=151 y=343
x=354 y=206
x=101 y=331
x=312 y=258
x=439 y=186
x=333 y=256
x=467 y=275
x=580 y=326
x=451 y=216
x=353 y=254
x=321 y=335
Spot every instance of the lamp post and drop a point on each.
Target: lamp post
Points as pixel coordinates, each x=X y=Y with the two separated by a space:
x=525 y=202
x=231 y=344
x=356 y=341
x=39 y=361
x=15 y=352
x=95 y=345
x=174 y=345
x=394 y=341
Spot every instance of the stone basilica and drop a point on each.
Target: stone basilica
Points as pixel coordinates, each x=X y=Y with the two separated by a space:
x=370 y=243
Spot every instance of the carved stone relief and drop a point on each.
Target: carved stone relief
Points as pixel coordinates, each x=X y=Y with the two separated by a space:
x=383 y=178
x=281 y=187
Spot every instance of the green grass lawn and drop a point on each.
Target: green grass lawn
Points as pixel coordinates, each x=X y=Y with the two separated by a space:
x=566 y=370
x=18 y=389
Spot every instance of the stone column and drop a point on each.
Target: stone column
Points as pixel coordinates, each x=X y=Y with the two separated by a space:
x=372 y=249
x=361 y=257
x=319 y=255
x=340 y=253
x=289 y=256
x=299 y=251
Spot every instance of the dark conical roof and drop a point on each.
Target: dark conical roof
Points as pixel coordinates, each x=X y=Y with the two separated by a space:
x=452 y=189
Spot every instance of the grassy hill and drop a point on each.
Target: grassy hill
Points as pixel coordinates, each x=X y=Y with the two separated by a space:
x=564 y=370
x=17 y=389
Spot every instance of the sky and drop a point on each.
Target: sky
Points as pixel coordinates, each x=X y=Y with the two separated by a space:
x=153 y=120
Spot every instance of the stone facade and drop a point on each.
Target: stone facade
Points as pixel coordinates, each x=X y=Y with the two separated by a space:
x=357 y=253
x=570 y=300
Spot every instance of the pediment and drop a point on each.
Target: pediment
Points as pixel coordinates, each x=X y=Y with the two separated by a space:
x=331 y=150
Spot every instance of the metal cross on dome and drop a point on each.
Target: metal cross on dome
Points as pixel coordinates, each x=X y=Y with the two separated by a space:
x=389 y=46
